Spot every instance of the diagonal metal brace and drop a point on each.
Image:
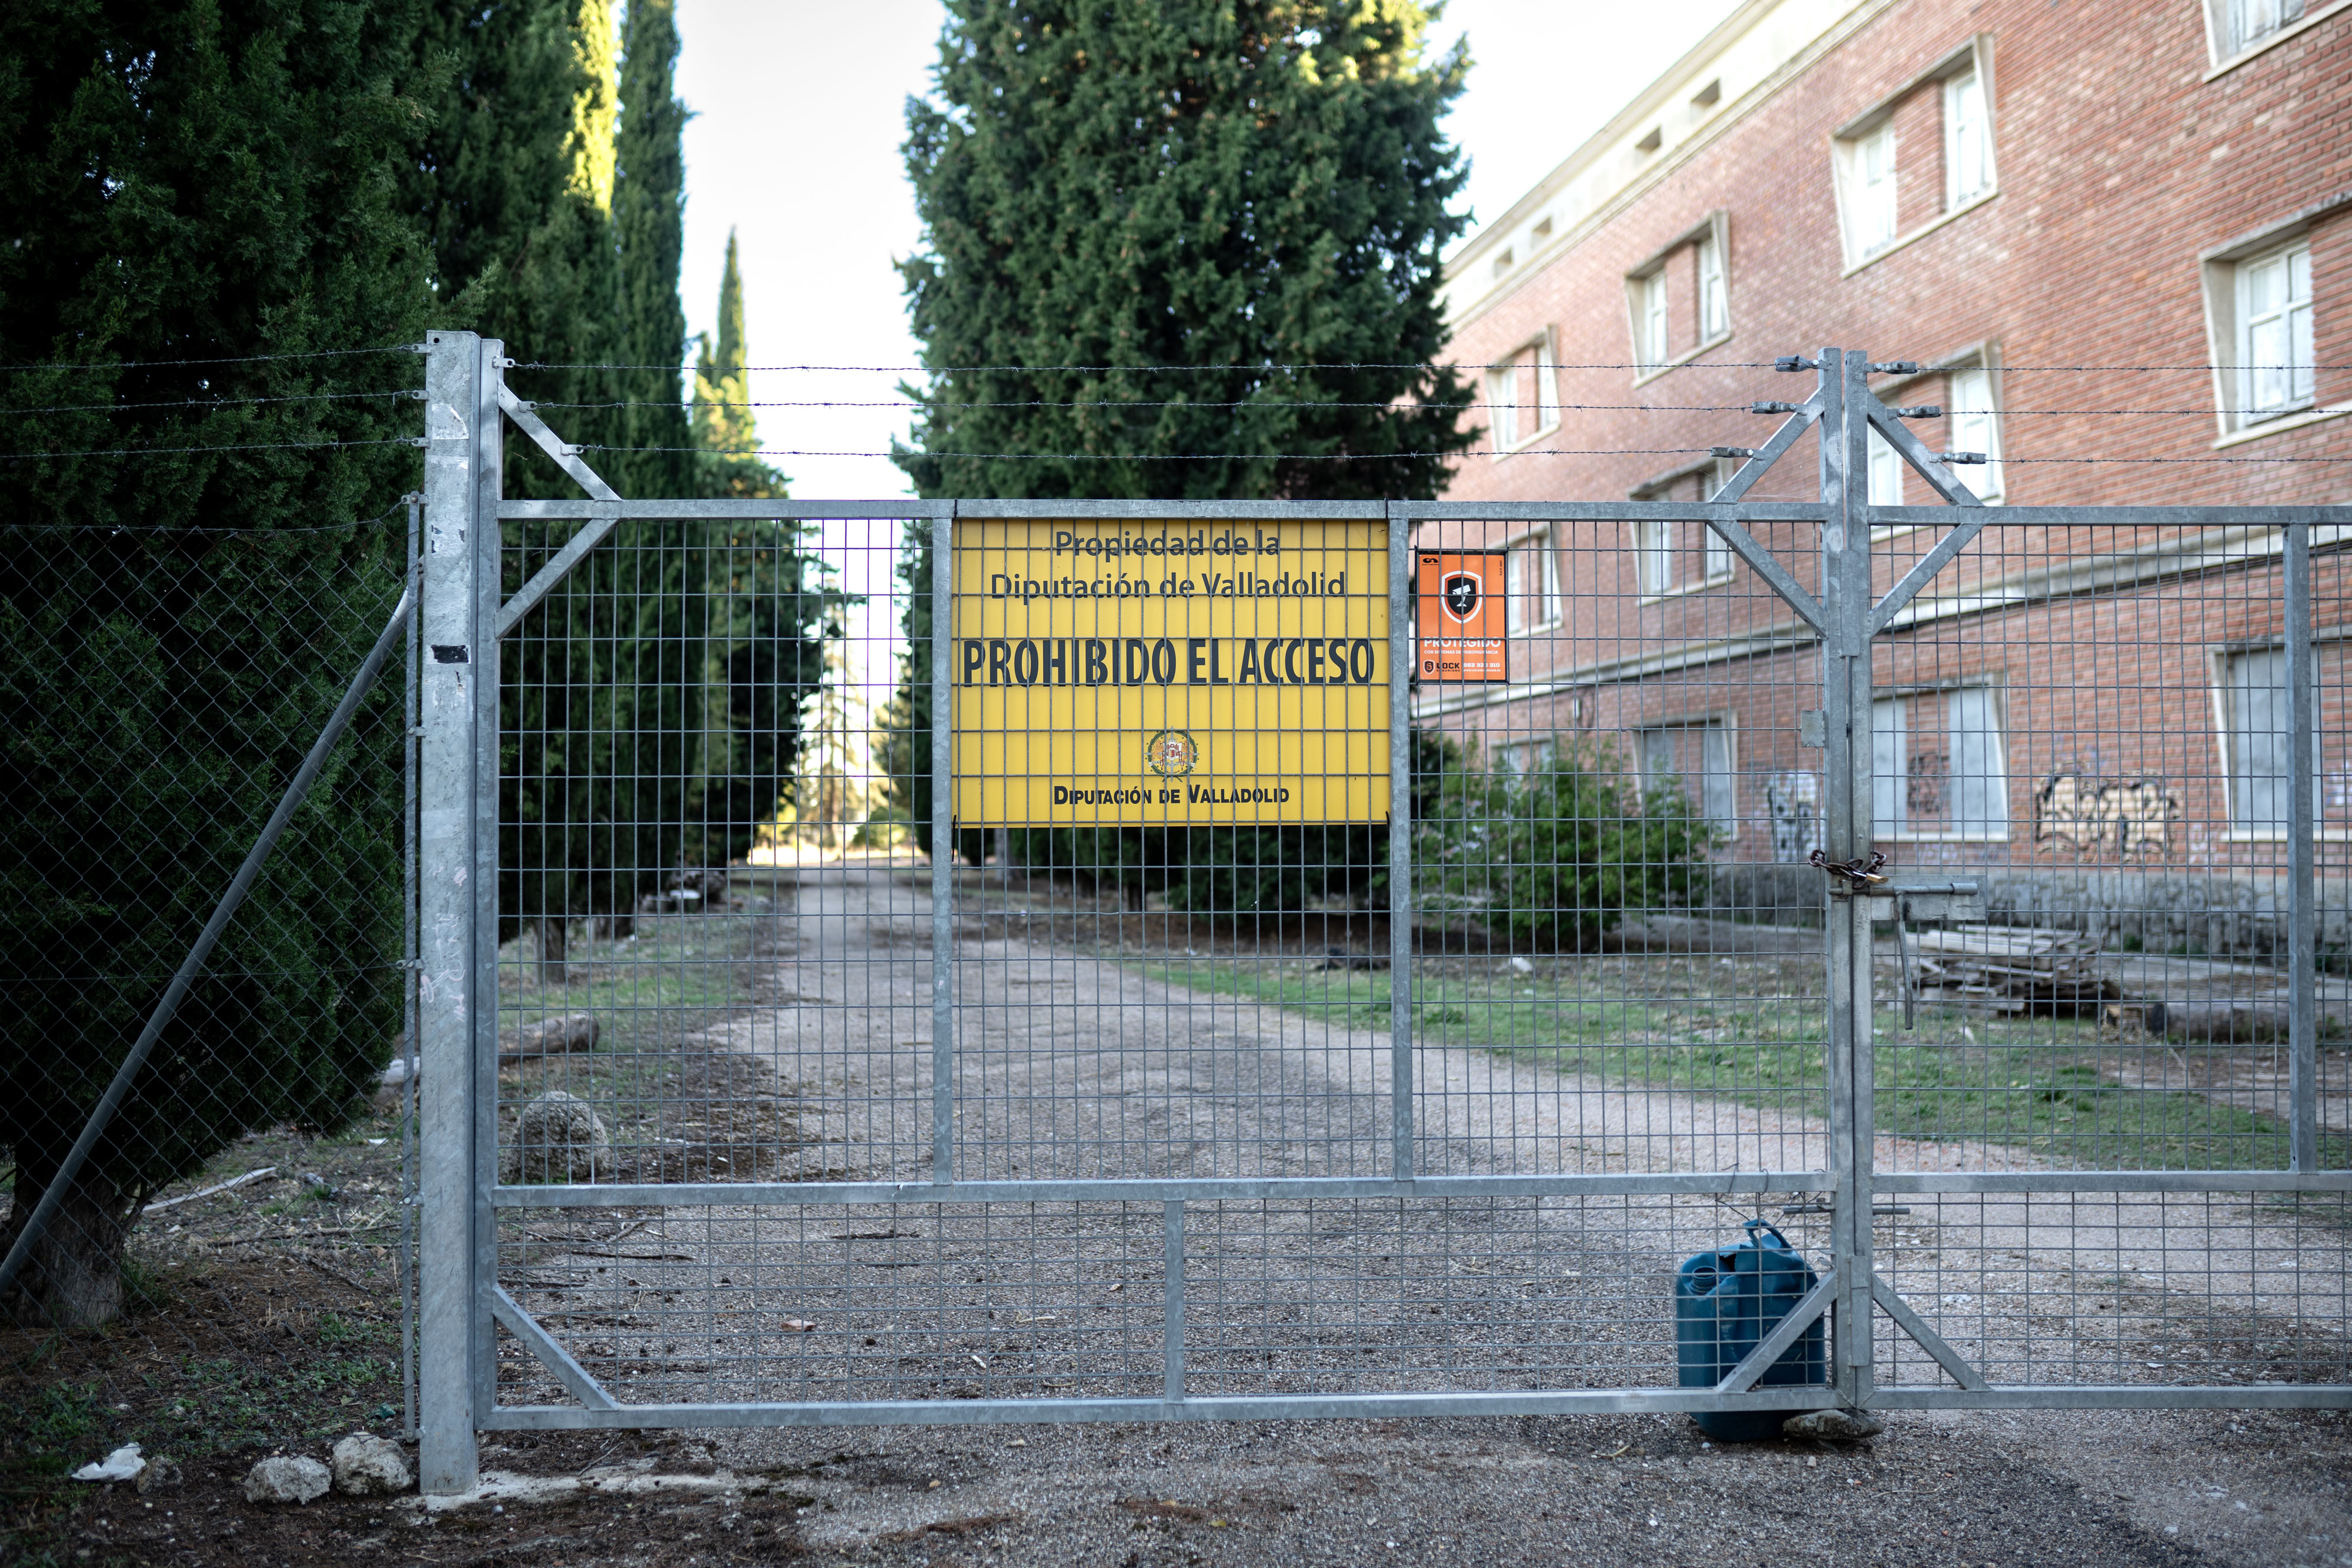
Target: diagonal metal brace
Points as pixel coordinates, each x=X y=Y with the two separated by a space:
x=528 y=421
x=1915 y=452
x=1929 y=1340
x=542 y=1344
x=1743 y=478
x=1732 y=531
x=1955 y=540
x=1774 y=1345
x=592 y=534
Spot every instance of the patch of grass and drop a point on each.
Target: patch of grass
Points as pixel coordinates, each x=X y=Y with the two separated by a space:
x=57 y=1425
x=2031 y=1083
x=237 y=1403
x=673 y=974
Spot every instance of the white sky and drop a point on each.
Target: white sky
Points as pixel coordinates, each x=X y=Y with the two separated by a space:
x=799 y=113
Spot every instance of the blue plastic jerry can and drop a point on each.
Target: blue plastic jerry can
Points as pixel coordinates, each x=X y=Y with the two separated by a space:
x=1725 y=1302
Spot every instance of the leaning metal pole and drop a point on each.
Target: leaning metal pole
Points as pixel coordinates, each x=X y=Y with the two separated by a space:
x=119 y=1089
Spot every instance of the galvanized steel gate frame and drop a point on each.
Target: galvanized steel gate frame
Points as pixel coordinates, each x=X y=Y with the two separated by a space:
x=463 y=620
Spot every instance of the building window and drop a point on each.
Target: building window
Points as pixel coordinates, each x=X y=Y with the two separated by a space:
x=1969 y=424
x=1968 y=140
x=1523 y=396
x=1524 y=757
x=1531 y=584
x=1938 y=770
x=2240 y=25
x=2255 y=737
x=1674 y=555
x=1695 y=758
x=1679 y=299
x=2275 y=350
x=1869 y=160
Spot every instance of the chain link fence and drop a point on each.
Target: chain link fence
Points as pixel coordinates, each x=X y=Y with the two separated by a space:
x=207 y=971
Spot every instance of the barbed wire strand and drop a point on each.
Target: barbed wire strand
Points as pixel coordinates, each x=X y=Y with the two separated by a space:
x=236 y=446
x=395 y=509
x=413 y=394
x=217 y=360
x=1372 y=365
x=1537 y=408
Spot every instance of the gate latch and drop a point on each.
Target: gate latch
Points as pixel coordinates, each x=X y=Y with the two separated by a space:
x=1931 y=900
x=1859 y=874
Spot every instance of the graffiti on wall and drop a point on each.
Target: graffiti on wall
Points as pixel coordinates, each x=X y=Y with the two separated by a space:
x=1794 y=801
x=2089 y=814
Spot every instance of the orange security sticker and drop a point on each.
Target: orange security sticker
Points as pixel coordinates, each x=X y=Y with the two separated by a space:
x=1459 y=615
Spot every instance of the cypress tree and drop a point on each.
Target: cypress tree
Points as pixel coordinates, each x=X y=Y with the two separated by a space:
x=649 y=233
x=189 y=186
x=1187 y=250
x=726 y=427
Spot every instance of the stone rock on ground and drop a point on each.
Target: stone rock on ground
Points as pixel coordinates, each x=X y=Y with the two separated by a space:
x=1834 y=1426
x=283 y=1480
x=367 y=1466
x=161 y=1475
x=559 y=1138
x=549 y=1037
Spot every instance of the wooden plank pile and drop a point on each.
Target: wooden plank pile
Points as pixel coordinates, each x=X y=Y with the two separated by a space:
x=2008 y=969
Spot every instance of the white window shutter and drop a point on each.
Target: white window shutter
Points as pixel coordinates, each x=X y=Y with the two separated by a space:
x=1503 y=403
x=1875 y=167
x=1719 y=788
x=2261 y=760
x=1713 y=305
x=1890 y=758
x=1885 y=473
x=1973 y=427
x=1978 y=778
x=1968 y=146
x=1547 y=387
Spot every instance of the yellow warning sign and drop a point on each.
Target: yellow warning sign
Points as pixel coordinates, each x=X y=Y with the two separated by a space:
x=1168 y=673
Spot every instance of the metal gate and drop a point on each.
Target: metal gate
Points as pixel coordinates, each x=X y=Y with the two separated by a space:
x=1938 y=884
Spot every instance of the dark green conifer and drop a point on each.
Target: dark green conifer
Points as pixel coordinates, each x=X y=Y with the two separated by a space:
x=1187 y=249
x=194 y=188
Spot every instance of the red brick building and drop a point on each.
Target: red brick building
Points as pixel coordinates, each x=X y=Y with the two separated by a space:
x=2068 y=215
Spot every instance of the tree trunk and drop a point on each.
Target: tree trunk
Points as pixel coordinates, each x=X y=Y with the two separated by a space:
x=74 y=1277
x=554 y=944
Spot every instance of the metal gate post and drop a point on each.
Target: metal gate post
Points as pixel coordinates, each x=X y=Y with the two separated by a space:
x=1847 y=828
x=2302 y=830
x=943 y=987
x=448 y=716
x=488 y=476
x=1400 y=1064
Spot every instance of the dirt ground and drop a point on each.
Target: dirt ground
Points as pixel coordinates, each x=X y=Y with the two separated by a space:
x=1943 y=1489
x=268 y=1315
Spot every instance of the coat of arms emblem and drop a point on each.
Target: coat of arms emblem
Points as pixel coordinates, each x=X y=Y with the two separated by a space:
x=1173 y=754
x=1460 y=592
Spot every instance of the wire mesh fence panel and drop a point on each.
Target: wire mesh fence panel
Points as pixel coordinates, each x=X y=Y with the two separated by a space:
x=1283 y=958
x=2089 y=722
x=1180 y=729
x=714 y=945
x=208 y=977
x=1623 y=962
x=2200 y=1289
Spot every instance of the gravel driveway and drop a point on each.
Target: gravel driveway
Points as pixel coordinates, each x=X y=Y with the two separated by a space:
x=1071 y=1066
